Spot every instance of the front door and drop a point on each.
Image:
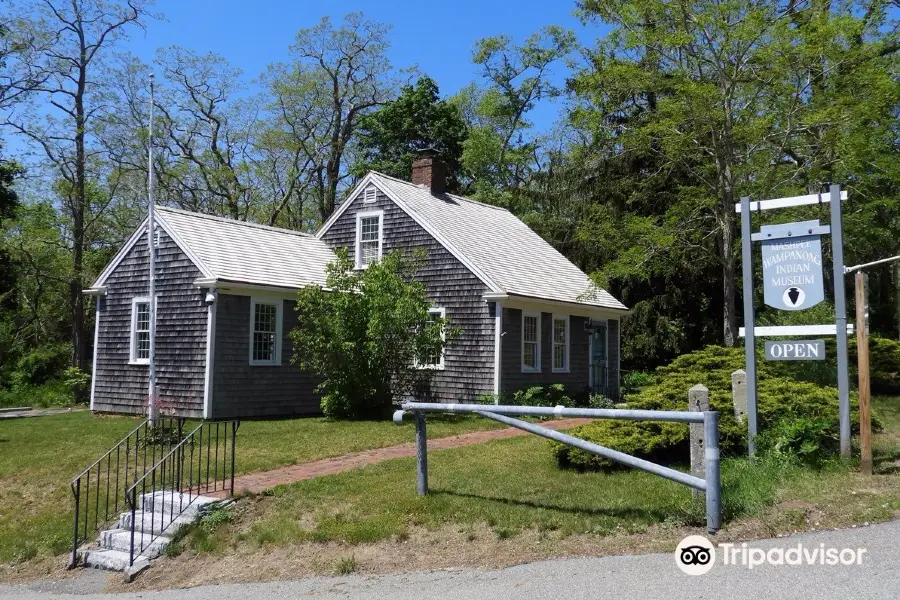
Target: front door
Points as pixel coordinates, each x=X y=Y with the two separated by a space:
x=599 y=377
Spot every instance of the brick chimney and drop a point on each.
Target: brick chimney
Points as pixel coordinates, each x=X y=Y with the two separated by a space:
x=428 y=170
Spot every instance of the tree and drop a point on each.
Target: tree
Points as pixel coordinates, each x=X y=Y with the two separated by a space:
x=365 y=334
x=389 y=138
x=63 y=47
x=716 y=94
x=336 y=77
x=499 y=156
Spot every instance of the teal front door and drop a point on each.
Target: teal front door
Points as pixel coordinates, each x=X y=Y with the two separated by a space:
x=599 y=352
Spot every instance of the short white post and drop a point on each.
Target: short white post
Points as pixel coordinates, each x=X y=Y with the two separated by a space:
x=698 y=401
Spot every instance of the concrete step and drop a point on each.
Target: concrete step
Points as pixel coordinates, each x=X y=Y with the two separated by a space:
x=148 y=522
x=110 y=560
x=144 y=543
x=168 y=502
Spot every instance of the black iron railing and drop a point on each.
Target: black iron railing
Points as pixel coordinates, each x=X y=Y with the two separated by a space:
x=201 y=463
x=100 y=490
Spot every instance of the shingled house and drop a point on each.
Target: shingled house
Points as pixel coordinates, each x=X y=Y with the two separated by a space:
x=226 y=290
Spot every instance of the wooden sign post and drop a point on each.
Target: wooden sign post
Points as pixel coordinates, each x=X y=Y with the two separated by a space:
x=865 y=398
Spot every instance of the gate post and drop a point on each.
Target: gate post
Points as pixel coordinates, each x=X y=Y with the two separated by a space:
x=713 y=483
x=421 y=453
x=739 y=394
x=698 y=401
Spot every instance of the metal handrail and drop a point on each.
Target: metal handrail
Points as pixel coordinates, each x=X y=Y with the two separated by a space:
x=110 y=481
x=168 y=479
x=710 y=484
x=110 y=451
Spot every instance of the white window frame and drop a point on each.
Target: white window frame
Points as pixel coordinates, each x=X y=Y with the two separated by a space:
x=529 y=368
x=279 y=316
x=132 y=350
x=366 y=215
x=370 y=194
x=438 y=366
x=554 y=344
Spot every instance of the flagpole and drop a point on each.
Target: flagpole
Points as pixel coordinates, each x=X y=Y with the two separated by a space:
x=152 y=407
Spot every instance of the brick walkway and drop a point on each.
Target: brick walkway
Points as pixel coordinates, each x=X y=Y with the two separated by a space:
x=263 y=480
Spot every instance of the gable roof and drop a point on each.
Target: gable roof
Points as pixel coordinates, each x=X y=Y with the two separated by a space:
x=240 y=252
x=507 y=255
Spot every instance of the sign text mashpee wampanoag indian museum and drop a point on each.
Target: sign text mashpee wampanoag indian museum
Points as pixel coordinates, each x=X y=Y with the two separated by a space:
x=792 y=267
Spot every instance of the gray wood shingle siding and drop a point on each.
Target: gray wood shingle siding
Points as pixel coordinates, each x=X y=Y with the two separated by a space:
x=181 y=335
x=242 y=390
x=468 y=363
x=577 y=379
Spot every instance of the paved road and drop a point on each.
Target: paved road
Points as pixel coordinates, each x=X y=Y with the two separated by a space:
x=646 y=577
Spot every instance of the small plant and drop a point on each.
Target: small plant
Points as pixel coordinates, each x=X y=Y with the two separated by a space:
x=77 y=381
x=174 y=548
x=346 y=565
x=552 y=395
x=632 y=381
x=810 y=441
x=163 y=435
x=599 y=401
x=216 y=517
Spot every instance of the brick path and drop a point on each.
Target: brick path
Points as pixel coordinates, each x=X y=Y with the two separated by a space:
x=263 y=480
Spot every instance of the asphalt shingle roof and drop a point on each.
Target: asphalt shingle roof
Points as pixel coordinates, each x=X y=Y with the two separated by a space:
x=249 y=253
x=512 y=256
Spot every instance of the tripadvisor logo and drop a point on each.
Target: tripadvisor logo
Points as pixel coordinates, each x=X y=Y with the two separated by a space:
x=696 y=555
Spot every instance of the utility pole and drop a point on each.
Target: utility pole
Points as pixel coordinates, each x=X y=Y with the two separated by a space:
x=152 y=404
x=862 y=359
x=862 y=354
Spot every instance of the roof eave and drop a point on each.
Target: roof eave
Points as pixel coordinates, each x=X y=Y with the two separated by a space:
x=520 y=300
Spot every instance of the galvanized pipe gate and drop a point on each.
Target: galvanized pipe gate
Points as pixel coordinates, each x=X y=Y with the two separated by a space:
x=710 y=484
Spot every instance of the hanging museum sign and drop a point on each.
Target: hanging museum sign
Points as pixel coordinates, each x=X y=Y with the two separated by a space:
x=792 y=265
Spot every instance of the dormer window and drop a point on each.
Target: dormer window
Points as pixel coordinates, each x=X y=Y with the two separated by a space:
x=370 y=194
x=369 y=238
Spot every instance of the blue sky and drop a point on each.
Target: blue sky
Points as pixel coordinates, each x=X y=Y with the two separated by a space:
x=437 y=35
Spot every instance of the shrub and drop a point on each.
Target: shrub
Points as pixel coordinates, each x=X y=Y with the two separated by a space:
x=41 y=365
x=633 y=380
x=551 y=395
x=781 y=400
x=884 y=364
x=365 y=334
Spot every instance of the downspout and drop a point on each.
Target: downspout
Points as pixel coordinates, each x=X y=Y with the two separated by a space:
x=498 y=345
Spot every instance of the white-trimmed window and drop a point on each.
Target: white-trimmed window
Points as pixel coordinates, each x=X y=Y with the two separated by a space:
x=369 y=238
x=531 y=342
x=560 y=343
x=265 y=331
x=140 y=331
x=435 y=358
x=370 y=194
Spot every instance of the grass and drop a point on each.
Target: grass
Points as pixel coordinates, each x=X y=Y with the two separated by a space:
x=40 y=456
x=513 y=485
x=506 y=487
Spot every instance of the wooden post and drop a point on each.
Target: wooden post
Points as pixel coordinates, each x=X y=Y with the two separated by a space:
x=862 y=354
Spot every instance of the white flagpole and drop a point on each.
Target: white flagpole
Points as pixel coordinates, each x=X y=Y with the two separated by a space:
x=152 y=407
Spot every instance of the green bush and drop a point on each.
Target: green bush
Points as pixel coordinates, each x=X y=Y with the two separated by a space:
x=365 y=335
x=632 y=381
x=41 y=365
x=551 y=395
x=884 y=364
x=782 y=399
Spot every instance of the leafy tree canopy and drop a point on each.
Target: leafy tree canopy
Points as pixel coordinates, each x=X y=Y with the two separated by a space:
x=390 y=137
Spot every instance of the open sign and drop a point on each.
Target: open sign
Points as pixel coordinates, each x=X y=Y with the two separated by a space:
x=796 y=350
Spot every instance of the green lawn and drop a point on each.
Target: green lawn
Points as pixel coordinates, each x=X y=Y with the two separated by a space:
x=39 y=457
x=513 y=485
